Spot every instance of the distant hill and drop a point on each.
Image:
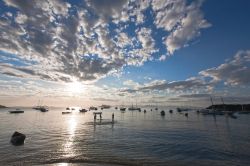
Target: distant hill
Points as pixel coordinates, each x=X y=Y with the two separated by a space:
x=230 y=107
x=2 y=106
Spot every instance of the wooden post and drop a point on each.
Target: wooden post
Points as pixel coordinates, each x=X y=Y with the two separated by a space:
x=113 y=117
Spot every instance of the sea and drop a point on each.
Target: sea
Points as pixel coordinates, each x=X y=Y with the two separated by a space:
x=134 y=139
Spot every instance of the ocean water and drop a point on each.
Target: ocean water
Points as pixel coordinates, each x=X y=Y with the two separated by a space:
x=136 y=138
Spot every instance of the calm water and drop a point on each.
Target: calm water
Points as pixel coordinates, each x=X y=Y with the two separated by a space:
x=135 y=139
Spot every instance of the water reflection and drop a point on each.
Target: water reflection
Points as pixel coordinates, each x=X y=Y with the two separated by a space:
x=69 y=141
x=62 y=164
x=74 y=138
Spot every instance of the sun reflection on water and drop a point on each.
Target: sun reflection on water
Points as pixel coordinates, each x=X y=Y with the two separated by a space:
x=69 y=141
x=62 y=164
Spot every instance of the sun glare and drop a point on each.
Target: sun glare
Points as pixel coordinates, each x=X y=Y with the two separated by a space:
x=75 y=87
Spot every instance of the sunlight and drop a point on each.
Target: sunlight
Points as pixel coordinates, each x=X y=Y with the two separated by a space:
x=75 y=87
x=69 y=143
x=72 y=126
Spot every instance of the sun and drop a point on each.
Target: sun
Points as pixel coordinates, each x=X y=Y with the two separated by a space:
x=75 y=87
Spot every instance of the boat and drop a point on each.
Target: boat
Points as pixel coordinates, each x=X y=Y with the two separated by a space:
x=36 y=107
x=123 y=109
x=41 y=108
x=66 y=112
x=156 y=107
x=83 y=110
x=17 y=111
x=212 y=112
x=182 y=109
x=93 y=108
x=105 y=106
x=132 y=108
x=44 y=109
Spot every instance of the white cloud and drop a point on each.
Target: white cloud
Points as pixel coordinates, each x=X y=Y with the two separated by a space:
x=63 y=42
x=144 y=36
x=123 y=40
x=131 y=83
x=162 y=58
x=191 y=85
x=21 y=18
x=183 y=21
x=47 y=34
x=234 y=72
x=168 y=13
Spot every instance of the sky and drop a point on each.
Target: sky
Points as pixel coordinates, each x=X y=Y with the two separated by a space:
x=122 y=52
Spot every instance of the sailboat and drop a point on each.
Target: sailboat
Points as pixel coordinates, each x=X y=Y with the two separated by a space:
x=40 y=107
x=122 y=108
x=132 y=108
x=212 y=111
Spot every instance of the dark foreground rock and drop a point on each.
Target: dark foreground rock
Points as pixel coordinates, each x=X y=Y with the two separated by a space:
x=17 y=138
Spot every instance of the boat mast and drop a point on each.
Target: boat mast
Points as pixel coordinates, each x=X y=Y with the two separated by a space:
x=223 y=103
x=212 y=103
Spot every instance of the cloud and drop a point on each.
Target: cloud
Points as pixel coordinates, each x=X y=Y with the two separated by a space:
x=233 y=72
x=162 y=58
x=105 y=99
x=46 y=33
x=131 y=83
x=90 y=40
x=191 y=85
x=144 y=36
x=107 y=8
x=136 y=9
x=123 y=40
x=183 y=21
x=201 y=95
